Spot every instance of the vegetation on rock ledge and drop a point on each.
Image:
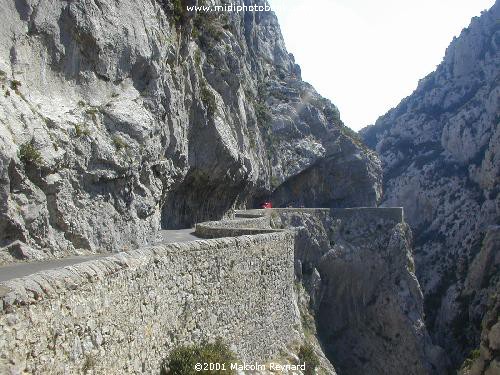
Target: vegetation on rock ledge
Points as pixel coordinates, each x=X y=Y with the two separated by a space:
x=29 y=154
x=182 y=360
x=309 y=357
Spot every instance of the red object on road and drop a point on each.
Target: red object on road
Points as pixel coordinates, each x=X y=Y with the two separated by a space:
x=266 y=205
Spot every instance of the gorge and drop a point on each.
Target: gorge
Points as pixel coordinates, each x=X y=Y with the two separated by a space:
x=122 y=119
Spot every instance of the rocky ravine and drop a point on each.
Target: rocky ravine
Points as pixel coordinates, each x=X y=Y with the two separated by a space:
x=359 y=272
x=440 y=149
x=120 y=117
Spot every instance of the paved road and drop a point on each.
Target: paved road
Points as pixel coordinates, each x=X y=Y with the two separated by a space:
x=178 y=235
x=15 y=270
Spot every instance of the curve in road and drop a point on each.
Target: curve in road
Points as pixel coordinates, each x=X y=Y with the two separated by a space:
x=17 y=270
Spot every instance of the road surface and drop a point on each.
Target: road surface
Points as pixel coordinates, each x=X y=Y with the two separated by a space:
x=15 y=270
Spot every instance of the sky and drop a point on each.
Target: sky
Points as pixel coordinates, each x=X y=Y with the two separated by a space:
x=365 y=55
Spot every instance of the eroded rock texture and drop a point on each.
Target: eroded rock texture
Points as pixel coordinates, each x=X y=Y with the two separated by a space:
x=358 y=270
x=118 y=117
x=440 y=149
x=483 y=284
x=486 y=359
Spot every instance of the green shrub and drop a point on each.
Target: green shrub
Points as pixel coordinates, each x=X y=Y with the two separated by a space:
x=355 y=137
x=275 y=182
x=92 y=111
x=253 y=143
x=475 y=354
x=308 y=356
x=119 y=143
x=347 y=131
x=14 y=85
x=263 y=114
x=81 y=130
x=469 y=361
x=195 y=34
x=182 y=360
x=281 y=96
x=197 y=58
x=178 y=12
x=208 y=99
x=208 y=28
x=411 y=266
x=29 y=154
x=89 y=364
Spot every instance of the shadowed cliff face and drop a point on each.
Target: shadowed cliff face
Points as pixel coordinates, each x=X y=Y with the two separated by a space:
x=441 y=159
x=358 y=269
x=119 y=117
x=343 y=178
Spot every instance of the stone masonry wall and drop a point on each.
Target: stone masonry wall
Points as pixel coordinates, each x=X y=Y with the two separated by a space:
x=366 y=213
x=123 y=314
x=369 y=214
x=255 y=224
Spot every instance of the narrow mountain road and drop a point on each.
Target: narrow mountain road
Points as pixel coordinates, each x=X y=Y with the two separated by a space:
x=178 y=235
x=16 y=270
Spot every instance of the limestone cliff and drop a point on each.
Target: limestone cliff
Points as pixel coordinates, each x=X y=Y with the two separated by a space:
x=120 y=117
x=440 y=149
x=483 y=284
x=486 y=360
x=358 y=268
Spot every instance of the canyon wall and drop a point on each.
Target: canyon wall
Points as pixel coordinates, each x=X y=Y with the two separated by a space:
x=118 y=118
x=441 y=159
x=357 y=267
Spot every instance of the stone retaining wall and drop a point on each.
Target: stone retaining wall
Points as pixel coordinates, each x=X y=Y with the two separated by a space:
x=208 y=232
x=256 y=221
x=255 y=224
x=269 y=211
x=123 y=313
x=369 y=213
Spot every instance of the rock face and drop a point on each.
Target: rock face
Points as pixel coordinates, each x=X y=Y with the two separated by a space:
x=119 y=117
x=324 y=183
x=440 y=149
x=358 y=269
x=486 y=360
x=483 y=284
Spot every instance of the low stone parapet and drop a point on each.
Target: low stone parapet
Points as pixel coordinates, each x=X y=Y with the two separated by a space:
x=205 y=231
x=254 y=223
x=385 y=213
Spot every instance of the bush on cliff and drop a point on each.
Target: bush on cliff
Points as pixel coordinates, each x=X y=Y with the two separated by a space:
x=309 y=357
x=29 y=154
x=182 y=360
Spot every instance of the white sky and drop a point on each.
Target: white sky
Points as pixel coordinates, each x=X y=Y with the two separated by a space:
x=367 y=55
